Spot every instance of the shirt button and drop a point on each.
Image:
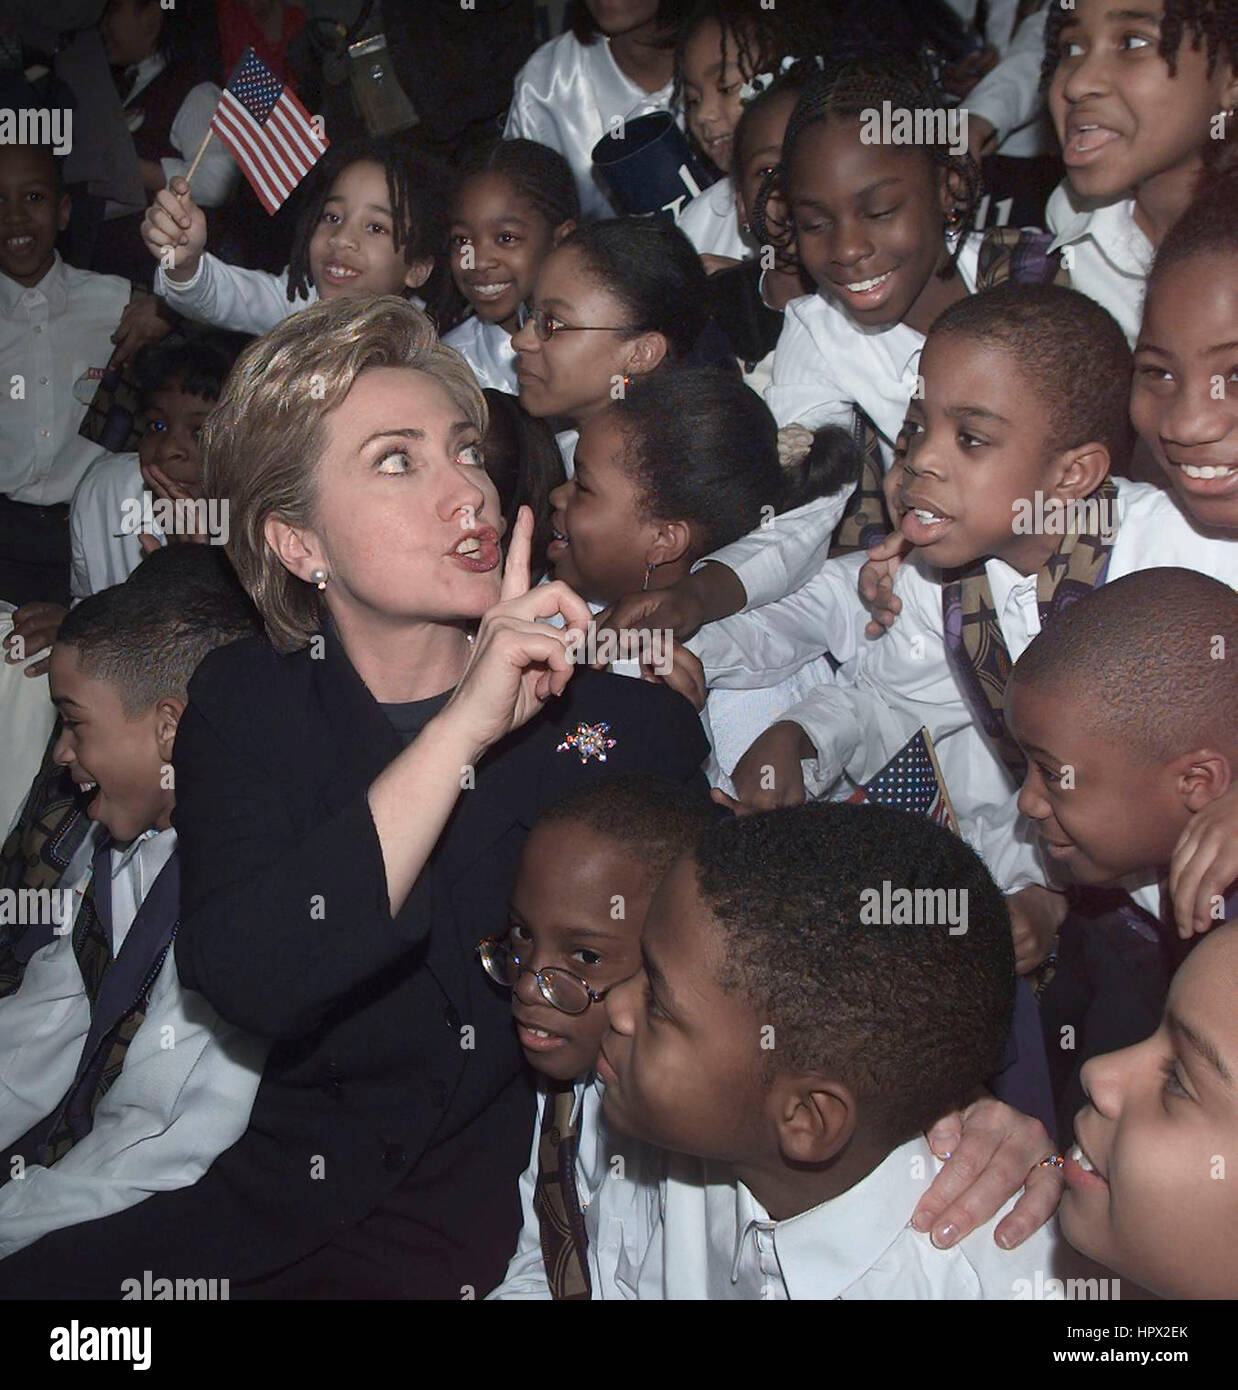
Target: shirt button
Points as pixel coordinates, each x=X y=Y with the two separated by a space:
x=38 y=328
x=47 y=434
x=394 y=1158
x=42 y=381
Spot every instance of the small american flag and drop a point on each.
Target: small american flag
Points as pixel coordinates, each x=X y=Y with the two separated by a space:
x=268 y=131
x=911 y=781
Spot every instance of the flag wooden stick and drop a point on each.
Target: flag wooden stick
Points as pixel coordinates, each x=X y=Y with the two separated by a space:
x=197 y=159
x=941 y=781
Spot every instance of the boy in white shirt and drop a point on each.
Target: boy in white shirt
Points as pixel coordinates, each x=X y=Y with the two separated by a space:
x=56 y=326
x=796 y=1042
x=97 y=1111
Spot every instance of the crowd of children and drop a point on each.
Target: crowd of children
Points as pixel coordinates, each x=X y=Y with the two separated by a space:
x=878 y=936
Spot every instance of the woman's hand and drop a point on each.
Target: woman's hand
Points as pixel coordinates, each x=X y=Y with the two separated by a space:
x=991 y=1151
x=35 y=626
x=1205 y=864
x=769 y=774
x=517 y=663
x=174 y=219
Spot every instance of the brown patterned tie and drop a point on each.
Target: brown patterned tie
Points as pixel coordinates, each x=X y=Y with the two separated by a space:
x=557 y=1202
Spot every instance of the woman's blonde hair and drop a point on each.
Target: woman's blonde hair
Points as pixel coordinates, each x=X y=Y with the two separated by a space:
x=262 y=444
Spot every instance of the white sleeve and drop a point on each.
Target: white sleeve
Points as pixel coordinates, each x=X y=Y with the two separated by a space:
x=763 y=646
x=802 y=390
x=784 y=554
x=43 y=1026
x=79 y=572
x=217 y=172
x=1009 y=96
x=526 y=1270
x=228 y=296
x=183 y=1097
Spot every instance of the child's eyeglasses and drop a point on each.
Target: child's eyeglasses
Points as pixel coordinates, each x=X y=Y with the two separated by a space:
x=558 y=987
x=546 y=325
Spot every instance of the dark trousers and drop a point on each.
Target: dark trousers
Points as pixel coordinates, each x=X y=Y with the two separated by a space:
x=34 y=553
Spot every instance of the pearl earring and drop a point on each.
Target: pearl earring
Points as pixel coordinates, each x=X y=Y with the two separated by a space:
x=319 y=577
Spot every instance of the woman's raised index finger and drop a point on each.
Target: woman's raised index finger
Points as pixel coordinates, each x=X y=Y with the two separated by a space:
x=519 y=557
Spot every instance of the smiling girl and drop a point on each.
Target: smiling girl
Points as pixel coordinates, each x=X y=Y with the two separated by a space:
x=377 y=225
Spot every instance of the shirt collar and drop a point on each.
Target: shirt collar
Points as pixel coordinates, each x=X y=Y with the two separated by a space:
x=52 y=287
x=147 y=70
x=1113 y=228
x=122 y=858
x=822 y=1252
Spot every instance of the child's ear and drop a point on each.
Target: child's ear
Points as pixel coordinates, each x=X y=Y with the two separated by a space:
x=951 y=191
x=298 y=551
x=1202 y=777
x=1081 y=471
x=670 y=543
x=645 y=353
x=167 y=720
x=419 y=272
x=64 y=210
x=815 y=1117
x=563 y=231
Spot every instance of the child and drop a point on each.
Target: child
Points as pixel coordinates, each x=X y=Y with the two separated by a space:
x=55 y=328
x=1005 y=488
x=511 y=208
x=1140 y=104
x=800 y=1045
x=178 y=387
x=613 y=65
x=601 y=850
x=377 y=225
x=749 y=298
x=626 y=521
x=1144 y=1190
x=101 y=1111
x=726 y=52
x=1185 y=347
x=1112 y=782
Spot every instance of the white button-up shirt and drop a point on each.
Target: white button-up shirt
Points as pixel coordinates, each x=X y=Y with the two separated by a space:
x=52 y=335
x=172 y=1110
x=487 y=348
x=710 y=222
x=568 y=95
x=1107 y=255
x=103 y=552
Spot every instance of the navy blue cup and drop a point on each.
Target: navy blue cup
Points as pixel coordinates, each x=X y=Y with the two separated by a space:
x=651 y=168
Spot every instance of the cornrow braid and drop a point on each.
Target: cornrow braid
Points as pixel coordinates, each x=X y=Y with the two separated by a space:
x=539 y=174
x=1210 y=22
x=419 y=188
x=860 y=76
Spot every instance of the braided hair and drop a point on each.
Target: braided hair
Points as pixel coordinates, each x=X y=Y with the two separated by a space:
x=859 y=77
x=1212 y=24
x=539 y=174
x=419 y=188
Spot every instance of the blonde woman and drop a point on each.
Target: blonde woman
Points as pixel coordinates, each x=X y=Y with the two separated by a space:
x=352 y=795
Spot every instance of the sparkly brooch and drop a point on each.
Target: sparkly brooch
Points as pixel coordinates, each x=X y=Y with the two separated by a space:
x=589 y=740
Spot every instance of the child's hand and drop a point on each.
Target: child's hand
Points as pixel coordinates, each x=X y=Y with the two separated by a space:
x=141 y=323
x=1036 y=917
x=677 y=609
x=686 y=675
x=35 y=626
x=1204 y=864
x=713 y=264
x=174 y=219
x=876 y=583
x=993 y=1150
x=769 y=773
x=171 y=491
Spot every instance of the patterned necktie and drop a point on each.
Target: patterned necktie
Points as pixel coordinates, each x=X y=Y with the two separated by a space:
x=974 y=638
x=557 y=1202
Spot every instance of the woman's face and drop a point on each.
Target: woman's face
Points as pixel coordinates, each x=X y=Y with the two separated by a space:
x=574 y=375
x=407 y=521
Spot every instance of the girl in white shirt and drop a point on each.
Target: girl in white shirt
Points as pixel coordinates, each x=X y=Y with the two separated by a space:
x=1144 y=109
x=511 y=209
x=628 y=521
x=378 y=225
x=613 y=65
x=728 y=51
